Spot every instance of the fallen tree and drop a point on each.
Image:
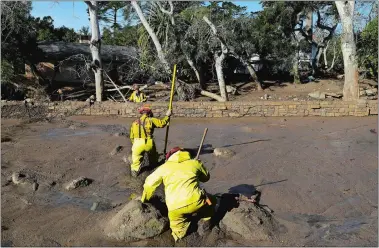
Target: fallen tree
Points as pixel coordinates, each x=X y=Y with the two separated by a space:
x=58 y=51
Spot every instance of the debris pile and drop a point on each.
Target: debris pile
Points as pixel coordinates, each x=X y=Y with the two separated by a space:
x=368 y=90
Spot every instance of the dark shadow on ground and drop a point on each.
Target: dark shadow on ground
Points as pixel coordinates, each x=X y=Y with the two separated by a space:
x=271 y=182
x=206 y=149
x=245 y=143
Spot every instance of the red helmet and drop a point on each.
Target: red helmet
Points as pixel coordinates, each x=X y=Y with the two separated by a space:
x=172 y=151
x=144 y=110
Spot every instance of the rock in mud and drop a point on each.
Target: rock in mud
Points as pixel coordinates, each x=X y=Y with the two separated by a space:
x=79 y=182
x=116 y=150
x=23 y=180
x=120 y=134
x=223 y=152
x=250 y=222
x=317 y=95
x=136 y=221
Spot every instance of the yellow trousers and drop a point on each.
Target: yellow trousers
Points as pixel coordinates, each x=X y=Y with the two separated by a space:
x=180 y=219
x=139 y=147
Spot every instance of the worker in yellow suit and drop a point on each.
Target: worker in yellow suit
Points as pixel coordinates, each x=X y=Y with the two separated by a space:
x=141 y=136
x=137 y=95
x=181 y=175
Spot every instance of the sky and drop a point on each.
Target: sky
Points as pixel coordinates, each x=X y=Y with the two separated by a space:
x=73 y=14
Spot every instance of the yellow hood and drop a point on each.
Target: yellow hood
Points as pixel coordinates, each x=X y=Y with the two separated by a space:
x=179 y=157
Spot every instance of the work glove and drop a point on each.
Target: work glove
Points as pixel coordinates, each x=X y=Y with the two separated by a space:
x=168 y=113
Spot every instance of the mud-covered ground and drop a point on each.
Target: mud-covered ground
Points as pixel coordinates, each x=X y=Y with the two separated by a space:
x=319 y=175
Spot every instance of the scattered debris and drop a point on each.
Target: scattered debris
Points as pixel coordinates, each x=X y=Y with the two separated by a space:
x=223 y=152
x=371 y=92
x=35 y=186
x=335 y=95
x=116 y=150
x=94 y=206
x=120 y=134
x=295 y=99
x=136 y=221
x=340 y=76
x=231 y=89
x=317 y=95
x=79 y=182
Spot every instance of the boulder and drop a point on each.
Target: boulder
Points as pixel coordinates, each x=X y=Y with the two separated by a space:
x=250 y=222
x=317 y=95
x=371 y=92
x=231 y=89
x=24 y=180
x=223 y=152
x=79 y=182
x=136 y=221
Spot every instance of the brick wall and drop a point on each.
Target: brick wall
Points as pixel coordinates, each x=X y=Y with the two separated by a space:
x=206 y=109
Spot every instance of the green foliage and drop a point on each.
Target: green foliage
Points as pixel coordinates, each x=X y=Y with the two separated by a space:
x=126 y=36
x=7 y=72
x=368 y=48
x=84 y=30
x=47 y=32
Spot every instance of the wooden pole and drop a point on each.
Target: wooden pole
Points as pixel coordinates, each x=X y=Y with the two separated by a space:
x=170 y=108
x=201 y=143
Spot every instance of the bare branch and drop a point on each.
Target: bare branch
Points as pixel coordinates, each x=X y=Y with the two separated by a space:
x=123 y=97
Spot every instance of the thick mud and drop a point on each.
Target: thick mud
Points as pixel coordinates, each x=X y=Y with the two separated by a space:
x=319 y=175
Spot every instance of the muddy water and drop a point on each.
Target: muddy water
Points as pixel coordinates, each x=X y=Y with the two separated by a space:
x=319 y=175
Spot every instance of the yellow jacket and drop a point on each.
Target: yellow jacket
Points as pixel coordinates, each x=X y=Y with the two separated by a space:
x=141 y=97
x=144 y=127
x=180 y=176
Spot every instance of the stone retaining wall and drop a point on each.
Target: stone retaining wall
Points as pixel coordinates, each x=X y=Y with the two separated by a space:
x=204 y=109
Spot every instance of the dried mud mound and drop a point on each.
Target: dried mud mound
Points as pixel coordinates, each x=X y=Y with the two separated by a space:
x=136 y=221
x=250 y=222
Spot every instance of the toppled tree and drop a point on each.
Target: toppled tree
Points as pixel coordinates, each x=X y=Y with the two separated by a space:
x=185 y=91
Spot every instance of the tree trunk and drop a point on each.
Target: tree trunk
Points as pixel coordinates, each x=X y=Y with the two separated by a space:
x=219 y=59
x=211 y=95
x=334 y=57
x=196 y=71
x=153 y=36
x=325 y=55
x=295 y=68
x=346 y=13
x=95 y=47
x=319 y=53
x=253 y=74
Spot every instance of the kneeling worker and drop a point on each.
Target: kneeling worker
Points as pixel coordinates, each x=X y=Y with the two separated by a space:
x=141 y=136
x=184 y=197
x=137 y=95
